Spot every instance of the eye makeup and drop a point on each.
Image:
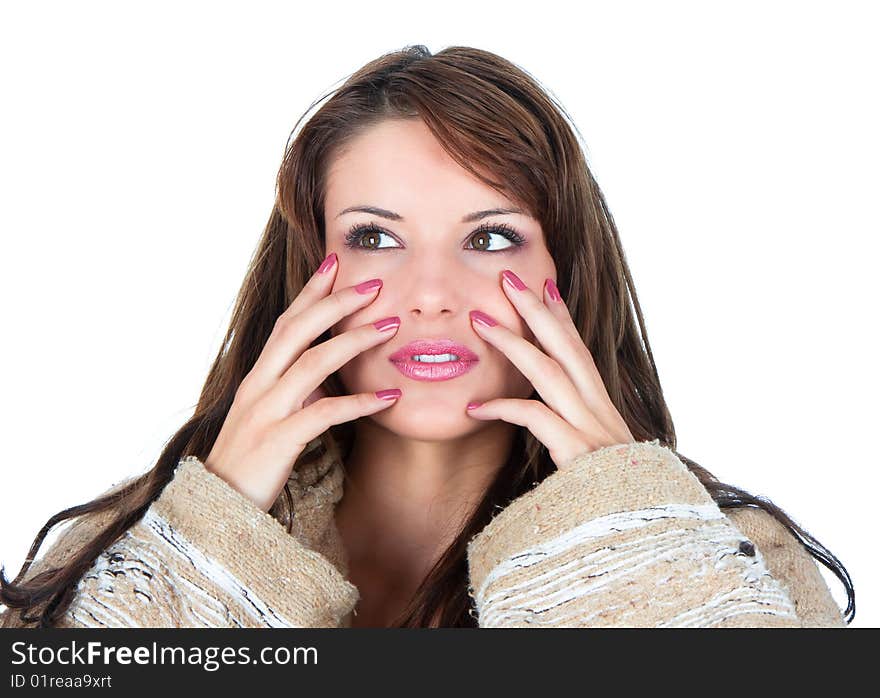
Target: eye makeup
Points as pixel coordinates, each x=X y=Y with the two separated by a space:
x=359 y=231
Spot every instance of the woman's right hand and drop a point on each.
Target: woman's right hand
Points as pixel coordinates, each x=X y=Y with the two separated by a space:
x=274 y=414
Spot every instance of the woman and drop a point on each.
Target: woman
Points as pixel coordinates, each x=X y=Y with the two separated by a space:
x=436 y=406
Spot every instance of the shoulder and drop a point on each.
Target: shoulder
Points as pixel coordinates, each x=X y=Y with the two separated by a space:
x=63 y=543
x=790 y=563
x=73 y=534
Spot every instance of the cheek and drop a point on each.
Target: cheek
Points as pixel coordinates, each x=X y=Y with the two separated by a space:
x=495 y=303
x=376 y=310
x=352 y=271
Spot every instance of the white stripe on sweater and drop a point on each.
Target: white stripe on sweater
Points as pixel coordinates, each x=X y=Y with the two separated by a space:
x=596 y=528
x=742 y=600
x=194 y=600
x=102 y=572
x=627 y=556
x=98 y=602
x=249 y=601
x=718 y=539
x=537 y=598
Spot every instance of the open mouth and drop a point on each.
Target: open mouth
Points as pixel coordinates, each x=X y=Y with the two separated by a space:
x=433 y=359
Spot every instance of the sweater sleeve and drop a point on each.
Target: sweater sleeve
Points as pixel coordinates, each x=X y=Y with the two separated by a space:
x=627 y=536
x=203 y=555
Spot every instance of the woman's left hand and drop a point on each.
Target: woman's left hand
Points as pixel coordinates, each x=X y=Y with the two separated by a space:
x=578 y=415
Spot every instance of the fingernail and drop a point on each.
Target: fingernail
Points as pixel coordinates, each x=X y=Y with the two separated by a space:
x=482 y=318
x=387 y=323
x=552 y=290
x=328 y=263
x=367 y=286
x=391 y=394
x=473 y=405
x=513 y=280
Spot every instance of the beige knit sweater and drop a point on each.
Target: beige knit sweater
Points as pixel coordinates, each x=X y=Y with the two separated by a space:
x=623 y=536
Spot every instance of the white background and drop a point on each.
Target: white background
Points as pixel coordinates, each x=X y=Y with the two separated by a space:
x=737 y=146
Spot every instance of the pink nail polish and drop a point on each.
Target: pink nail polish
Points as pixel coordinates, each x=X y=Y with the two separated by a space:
x=328 y=263
x=391 y=394
x=553 y=290
x=514 y=280
x=482 y=318
x=473 y=405
x=387 y=323
x=368 y=286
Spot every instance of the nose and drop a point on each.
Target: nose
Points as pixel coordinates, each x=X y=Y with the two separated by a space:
x=435 y=290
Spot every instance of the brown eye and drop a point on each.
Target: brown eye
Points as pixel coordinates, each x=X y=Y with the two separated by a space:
x=482 y=243
x=506 y=236
x=366 y=239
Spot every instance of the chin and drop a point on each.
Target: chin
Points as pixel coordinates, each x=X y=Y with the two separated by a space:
x=425 y=422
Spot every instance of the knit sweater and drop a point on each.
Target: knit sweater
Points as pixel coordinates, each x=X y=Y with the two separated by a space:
x=622 y=536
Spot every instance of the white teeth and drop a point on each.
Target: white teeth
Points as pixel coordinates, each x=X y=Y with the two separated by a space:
x=434 y=358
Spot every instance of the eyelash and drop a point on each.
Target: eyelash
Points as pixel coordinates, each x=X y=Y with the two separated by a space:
x=358 y=230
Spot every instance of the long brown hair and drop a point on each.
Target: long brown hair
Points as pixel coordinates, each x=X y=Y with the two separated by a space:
x=482 y=109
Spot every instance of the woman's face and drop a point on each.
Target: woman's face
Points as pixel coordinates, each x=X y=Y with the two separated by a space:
x=435 y=269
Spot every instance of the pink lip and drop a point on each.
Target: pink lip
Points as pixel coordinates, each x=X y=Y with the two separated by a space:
x=433 y=372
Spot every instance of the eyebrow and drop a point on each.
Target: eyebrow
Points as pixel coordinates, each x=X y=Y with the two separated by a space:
x=392 y=216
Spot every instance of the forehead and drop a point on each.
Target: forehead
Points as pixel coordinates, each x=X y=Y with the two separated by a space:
x=400 y=165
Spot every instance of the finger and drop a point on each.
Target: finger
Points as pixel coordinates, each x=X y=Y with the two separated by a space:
x=556 y=305
x=544 y=373
x=293 y=334
x=318 y=286
x=604 y=410
x=566 y=347
x=313 y=367
x=556 y=337
x=562 y=440
x=296 y=430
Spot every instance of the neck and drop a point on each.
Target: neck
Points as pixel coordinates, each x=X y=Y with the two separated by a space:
x=404 y=501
